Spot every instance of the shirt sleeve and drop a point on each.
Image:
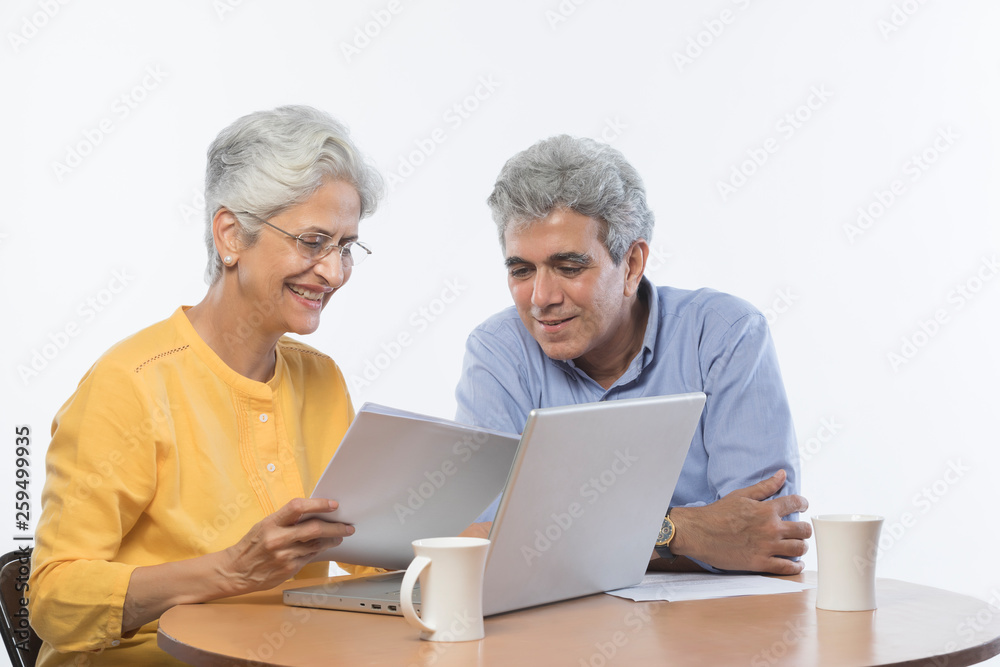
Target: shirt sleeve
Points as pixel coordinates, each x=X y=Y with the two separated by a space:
x=747 y=425
x=100 y=474
x=493 y=391
x=748 y=430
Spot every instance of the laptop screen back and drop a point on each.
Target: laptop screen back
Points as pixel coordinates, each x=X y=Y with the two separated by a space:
x=585 y=499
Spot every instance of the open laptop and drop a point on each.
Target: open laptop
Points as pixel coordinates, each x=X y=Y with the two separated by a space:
x=579 y=514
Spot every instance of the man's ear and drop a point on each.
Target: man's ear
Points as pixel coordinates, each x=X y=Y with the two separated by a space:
x=635 y=265
x=225 y=231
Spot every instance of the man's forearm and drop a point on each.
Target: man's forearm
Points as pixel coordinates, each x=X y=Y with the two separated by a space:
x=743 y=530
x=678 y=564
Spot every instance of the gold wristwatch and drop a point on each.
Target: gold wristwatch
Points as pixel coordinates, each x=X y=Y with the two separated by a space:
x=664 y=538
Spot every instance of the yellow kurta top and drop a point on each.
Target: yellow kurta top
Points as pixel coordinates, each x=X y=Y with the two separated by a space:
x=165 y=453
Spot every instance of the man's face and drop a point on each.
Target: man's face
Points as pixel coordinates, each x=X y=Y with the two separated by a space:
x=567 y=290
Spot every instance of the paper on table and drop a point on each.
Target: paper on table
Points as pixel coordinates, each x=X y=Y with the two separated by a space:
x=697 y=586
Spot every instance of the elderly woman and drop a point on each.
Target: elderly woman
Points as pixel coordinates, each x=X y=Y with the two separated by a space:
x=177 y=471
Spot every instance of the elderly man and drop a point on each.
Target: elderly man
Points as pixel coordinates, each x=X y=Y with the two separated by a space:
x=587 y=326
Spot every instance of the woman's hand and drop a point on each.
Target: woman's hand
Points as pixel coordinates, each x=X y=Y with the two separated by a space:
x=272 y=551
x=282 y=544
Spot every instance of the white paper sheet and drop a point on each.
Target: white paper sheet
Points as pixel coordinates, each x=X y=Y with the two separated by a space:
x=401 y=476
x=705 y=586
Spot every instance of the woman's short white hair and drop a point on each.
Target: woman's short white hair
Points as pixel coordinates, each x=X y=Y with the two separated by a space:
x=268 y=161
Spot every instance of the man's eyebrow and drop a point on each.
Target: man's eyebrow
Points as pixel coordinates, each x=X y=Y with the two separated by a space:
x=574 y=257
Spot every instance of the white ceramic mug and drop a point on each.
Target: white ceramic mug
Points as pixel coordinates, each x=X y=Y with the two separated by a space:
x=451 y=588
x=846 y=547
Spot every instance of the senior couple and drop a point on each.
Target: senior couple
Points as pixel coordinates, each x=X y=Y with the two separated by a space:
x=179 y=470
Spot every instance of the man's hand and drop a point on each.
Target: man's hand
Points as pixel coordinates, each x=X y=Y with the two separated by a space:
x=478 y=530
x=744 y=530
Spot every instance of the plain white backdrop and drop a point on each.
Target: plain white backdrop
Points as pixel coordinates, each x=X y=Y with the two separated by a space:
x=833 y=163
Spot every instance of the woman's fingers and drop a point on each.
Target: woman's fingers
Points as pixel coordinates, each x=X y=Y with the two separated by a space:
x=281 y=544
x=293 y=511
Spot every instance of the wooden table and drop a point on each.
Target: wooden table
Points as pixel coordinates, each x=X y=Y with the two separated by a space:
x=914 y=625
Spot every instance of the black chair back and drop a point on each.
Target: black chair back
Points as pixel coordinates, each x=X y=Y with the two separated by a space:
x=21 y=641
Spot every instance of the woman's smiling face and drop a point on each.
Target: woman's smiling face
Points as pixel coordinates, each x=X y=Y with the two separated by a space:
x=285 y=290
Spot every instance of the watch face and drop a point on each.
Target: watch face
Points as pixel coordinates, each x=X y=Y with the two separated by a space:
x=666 y=532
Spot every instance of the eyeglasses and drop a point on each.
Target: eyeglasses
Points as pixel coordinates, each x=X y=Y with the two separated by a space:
x=315 y=246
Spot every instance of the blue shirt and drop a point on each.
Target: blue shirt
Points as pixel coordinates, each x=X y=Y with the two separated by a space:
x=701 y=340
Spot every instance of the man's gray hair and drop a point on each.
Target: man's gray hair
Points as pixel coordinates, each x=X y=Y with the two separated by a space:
x=580 y=174
x=268 y=161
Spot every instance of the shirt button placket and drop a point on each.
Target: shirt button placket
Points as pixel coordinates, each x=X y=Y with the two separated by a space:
x=263 y=420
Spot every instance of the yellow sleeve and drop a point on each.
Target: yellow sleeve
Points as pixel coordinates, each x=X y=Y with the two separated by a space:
x=100 y=475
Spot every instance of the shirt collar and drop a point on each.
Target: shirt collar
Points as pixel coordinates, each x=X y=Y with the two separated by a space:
x=647 y=289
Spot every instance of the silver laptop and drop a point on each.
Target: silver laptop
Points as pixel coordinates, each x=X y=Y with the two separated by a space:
x=579 y=514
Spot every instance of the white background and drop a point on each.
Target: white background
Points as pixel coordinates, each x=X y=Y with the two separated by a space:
x=127 y=96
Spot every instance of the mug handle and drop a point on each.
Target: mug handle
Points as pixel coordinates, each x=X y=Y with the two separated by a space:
x=406 y=593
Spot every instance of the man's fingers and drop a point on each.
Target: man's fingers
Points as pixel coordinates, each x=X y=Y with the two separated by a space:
x=795 y=548
x=795 y=530
x=786 y=505
x=783 y=566
x=763 y=489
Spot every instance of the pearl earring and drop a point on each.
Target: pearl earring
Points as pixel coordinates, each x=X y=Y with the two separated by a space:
x=227 y=260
